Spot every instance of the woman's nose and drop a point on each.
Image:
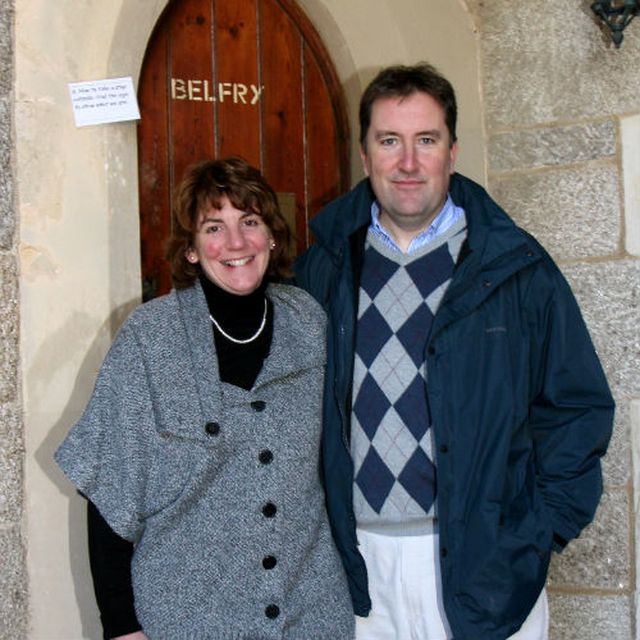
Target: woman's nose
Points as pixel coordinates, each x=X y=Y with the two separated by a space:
x=235 y=238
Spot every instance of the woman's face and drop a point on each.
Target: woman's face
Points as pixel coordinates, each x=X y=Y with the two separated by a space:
x=232 y=247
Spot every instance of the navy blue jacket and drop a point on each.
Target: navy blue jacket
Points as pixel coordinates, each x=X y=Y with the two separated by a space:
x=520 y=405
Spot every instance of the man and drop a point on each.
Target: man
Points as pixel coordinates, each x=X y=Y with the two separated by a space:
x=466 y=410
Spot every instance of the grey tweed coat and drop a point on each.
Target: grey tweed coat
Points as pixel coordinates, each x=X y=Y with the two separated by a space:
x=218 y=487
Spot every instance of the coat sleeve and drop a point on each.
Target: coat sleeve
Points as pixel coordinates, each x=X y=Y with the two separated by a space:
x=571 y=412
x=106 y=452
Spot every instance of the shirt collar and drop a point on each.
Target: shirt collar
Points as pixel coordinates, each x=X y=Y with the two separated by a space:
x=447 y=216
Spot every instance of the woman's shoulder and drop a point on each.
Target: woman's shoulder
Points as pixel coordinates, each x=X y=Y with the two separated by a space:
x=301 y=303
x=156 y=316
x=153 y=308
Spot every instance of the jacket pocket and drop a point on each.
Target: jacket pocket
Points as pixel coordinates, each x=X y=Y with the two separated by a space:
x=503 y=578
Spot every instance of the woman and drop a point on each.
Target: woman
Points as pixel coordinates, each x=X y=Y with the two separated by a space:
x=198 y=450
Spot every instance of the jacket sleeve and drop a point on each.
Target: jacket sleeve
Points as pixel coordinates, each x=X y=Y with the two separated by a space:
x=105 y=454
x=571 y=412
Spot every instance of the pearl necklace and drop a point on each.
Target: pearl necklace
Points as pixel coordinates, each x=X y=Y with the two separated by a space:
x=247 y=340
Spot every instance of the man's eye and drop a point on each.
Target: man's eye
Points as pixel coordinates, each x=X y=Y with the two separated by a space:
x=426 y=140
x=388 y=142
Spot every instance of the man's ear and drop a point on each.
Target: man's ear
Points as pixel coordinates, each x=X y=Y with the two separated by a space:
x=363 y=158
x=454 y=156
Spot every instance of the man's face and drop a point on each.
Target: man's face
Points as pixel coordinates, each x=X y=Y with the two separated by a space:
x=409 y=160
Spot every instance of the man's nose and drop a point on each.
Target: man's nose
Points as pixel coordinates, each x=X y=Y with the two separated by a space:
x=408 y=159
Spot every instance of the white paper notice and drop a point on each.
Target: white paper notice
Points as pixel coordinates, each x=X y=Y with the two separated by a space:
x=103 y=101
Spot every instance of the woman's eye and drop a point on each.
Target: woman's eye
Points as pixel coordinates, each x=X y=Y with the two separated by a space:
x=213 y=228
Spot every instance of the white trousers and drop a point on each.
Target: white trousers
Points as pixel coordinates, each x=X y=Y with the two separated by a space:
x=406 y=594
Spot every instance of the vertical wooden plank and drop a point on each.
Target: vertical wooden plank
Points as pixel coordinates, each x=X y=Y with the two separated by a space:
x=191 y=95
x=153 y=163
x=237 y=79
x=284 y=132
x=313 y=43
x=322 y=140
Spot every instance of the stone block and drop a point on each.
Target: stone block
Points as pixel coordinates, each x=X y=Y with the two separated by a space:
x=8 y=328
x=7 y=210
x=600 y=558
x=551 y=146
x=590 y=617
x=538 y=59
x=630 y=137
x=573 y=213
x=609 y=296
x=616 y=464
x=11 y=463
x=6 y=51
x=13 y=586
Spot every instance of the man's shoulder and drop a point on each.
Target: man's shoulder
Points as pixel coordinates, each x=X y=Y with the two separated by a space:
x=490 y=227
x=475 y=200
x=312 y=270
x=332 y=227
x=345 y=214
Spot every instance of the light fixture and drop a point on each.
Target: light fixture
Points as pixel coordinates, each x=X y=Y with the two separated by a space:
x=616 y=14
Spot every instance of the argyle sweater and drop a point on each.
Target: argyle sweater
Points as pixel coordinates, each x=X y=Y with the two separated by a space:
x=391 y=439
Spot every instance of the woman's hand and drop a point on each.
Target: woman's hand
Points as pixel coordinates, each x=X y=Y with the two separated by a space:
x=136 y=635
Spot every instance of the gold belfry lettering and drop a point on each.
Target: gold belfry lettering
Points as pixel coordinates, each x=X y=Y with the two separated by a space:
x=198 y=90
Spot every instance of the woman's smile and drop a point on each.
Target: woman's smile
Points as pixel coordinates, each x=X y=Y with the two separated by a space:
x=233 y=247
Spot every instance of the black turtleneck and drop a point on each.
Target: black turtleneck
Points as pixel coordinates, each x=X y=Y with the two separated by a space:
x=240 y=317
x=239 y=364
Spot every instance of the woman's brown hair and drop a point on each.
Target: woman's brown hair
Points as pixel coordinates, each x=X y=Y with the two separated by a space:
x=207 y=183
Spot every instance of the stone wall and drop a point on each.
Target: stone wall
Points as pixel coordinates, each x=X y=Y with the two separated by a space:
x=13 y=593
x=561 y=117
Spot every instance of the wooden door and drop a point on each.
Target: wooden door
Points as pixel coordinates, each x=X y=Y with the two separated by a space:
x=237 y=77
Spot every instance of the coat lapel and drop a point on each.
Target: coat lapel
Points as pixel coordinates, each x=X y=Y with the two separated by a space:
x=201 y=356
x=296 y=345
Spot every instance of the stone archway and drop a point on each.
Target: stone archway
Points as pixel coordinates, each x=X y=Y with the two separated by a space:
x=79 y=237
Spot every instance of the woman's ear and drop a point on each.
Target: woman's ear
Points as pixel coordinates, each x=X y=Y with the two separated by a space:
x=191 y=255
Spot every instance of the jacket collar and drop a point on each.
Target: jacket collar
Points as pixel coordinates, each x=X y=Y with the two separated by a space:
x=182 y=349
x=496 y=250
x=491 y=232
x=343 y=217
x=352 y=211
x=290 y=351
x=495 y=243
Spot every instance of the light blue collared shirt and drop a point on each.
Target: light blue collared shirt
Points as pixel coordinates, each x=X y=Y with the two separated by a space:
x=449 y=215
